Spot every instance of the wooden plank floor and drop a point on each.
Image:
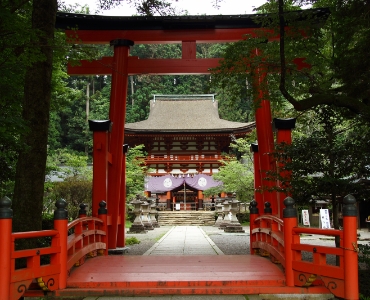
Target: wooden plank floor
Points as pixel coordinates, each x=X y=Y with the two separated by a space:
x=165 y=275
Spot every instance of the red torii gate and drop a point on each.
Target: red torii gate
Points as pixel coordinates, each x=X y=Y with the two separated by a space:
x=123 y=32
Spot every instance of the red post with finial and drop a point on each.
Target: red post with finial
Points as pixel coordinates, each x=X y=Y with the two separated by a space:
x=100 y=131
x=253 y=211
x=61 y=225
x=290 y=221
x=6 y=218
x=283 y=137
x=350 y=246
x=102 y=213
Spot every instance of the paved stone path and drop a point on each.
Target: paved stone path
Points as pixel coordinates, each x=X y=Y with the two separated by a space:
x=185 y=240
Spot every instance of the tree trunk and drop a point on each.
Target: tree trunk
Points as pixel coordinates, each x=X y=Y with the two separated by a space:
x=30 y=172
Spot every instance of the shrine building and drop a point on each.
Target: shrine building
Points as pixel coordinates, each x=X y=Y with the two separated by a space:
x=185 y=139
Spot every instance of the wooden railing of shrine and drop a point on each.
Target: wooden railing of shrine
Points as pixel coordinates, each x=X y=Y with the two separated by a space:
x=280 y=240
x=69 y=245
x=182 y=158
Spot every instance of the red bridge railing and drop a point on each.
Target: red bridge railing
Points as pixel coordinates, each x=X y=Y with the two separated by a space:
x=280 y=240
x=86 y=238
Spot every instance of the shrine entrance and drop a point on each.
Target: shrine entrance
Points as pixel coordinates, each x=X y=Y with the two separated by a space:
x=185 y=198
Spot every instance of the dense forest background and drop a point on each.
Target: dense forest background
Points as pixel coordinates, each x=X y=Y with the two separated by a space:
x=89 y=96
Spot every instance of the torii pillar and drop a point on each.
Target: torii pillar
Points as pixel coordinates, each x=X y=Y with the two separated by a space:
x=264 y=133
x=117 y=112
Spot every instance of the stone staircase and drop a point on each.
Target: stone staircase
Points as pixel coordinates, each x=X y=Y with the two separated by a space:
x=186 y=218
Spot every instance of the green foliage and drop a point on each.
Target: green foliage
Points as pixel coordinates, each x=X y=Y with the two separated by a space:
x=135 y=172
x=76 y=184
x=74 y=191
x=132 y=241
x=364 y=255
x=235 y=177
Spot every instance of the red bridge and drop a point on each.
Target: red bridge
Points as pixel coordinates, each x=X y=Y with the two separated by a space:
x=78 y=262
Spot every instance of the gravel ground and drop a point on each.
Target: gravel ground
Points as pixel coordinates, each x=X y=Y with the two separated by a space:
x=147 y=240
x=229 y=243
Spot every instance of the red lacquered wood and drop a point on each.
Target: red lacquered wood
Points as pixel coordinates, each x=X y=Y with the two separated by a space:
x=257 y=180
x=33 y=234
x=305 y=230
x=117 y=116
x=100 y=169
x=5 y=254
x=61 y=226
x=104 y=227
x=350 y=257
x=264 y=131
x=289 y=224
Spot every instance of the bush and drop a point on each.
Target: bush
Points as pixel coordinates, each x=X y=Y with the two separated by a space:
x=364 y=255
x=243 y=217
x=74 y=192
x=132 y=241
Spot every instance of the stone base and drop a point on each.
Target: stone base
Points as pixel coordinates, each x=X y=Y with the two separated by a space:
x=118 y=251
x=148 y=226
x=137 y=228
x=155 y=224
x=234 y=228
x=223 y=225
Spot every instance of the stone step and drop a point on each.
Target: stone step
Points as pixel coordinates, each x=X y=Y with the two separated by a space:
x=186 y=218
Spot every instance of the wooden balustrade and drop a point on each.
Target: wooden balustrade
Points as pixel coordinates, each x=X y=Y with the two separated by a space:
x=46 y=267
x=182 y=158
x=87 y=239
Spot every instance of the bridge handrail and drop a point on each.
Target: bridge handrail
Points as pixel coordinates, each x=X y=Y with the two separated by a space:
x=267 y=238
x=318 y=231
x=272 y=218
x=319 y=254
x=47 y=275
x=88 y=238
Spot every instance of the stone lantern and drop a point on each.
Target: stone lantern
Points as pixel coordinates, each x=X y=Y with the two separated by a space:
x=234 y=225
x=137 y=226
x=220 y=214
x=153 y=213
x=145 y=217
x=226 y=219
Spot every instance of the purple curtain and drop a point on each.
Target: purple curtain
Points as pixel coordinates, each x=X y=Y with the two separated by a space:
x=163 y=183
x=201 y=182
x=168 y=183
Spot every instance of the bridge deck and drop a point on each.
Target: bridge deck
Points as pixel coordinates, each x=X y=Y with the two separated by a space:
x=165 y=275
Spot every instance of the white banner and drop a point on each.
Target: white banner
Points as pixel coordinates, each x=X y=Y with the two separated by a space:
x=324 y=219
x=305 y=217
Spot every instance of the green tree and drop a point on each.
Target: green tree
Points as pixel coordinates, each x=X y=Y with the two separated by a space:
x=135 y=172
x=328 y=161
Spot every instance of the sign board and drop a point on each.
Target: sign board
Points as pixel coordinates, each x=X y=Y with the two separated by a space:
x=305 y=217
x=324 y=219
x=177 y=206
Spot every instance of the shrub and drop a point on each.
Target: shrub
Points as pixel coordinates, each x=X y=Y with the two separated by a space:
x=74 y=192
x=364 y=255
x=132 y=241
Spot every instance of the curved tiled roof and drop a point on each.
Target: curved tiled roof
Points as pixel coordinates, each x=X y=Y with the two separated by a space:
x=96 y=22
x=186 y=114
